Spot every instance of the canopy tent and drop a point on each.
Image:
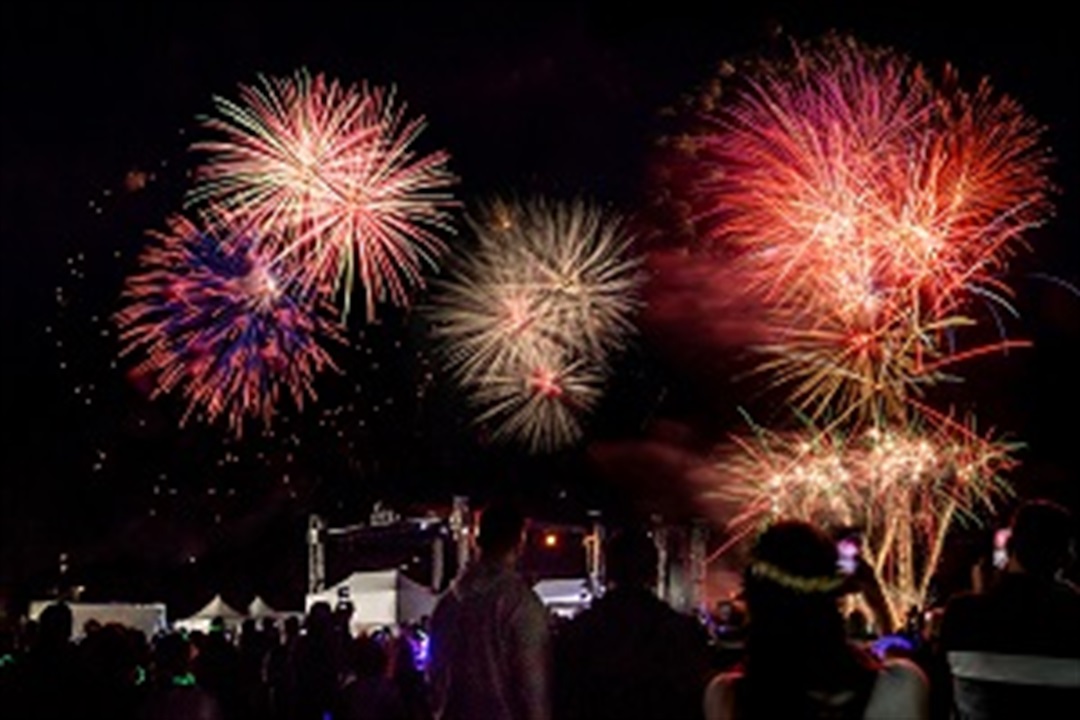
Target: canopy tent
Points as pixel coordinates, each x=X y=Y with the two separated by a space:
x=150 y=618
x=216 y=608
x=258 y=609
x=379 y=598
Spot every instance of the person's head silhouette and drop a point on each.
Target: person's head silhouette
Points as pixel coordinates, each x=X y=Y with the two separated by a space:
x=631 y=560
x=502 y=532
x=1042 y=541
x=55 y=625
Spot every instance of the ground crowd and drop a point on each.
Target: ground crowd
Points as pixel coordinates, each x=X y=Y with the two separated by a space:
x=491 y=651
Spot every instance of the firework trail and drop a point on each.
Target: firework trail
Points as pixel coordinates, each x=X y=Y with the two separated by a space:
x=213 y=321
x=867 y=208
x=902 y=485
x=329 y=171
x=528 y=321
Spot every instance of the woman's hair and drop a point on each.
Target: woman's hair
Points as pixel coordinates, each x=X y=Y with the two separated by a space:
x=796 y=639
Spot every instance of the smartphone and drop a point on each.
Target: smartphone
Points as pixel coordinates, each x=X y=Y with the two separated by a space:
x=847 y=554
x=1001 y=552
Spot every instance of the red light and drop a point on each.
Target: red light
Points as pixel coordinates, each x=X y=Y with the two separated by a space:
x=551 y=540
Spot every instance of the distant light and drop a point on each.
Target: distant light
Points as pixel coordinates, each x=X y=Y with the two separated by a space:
x=551 y=540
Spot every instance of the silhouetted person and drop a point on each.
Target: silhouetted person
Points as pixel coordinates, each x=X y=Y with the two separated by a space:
x=631 y=655
x=799 y=662
x=282 y=671
x=51 y=677
x=90 y=627
x=367 y=692
x=729 y=633
x=217 y=667
x=318 y=664
x=269 y=640
x=407 y=675
x=489 y=634
x=1014 y=650
x=252 y=648
x=110 y=658
x=176 y=694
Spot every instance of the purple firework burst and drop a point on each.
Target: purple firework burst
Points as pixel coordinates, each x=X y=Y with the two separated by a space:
x=211 y=319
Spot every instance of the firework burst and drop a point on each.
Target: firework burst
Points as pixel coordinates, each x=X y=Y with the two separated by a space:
x=539 y=399
x=868 y=208
x=528 y=321
x=329 y=171
x=903 y=485
x=212 y=320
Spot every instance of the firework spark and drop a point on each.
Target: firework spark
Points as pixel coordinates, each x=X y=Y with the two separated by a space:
x=528 y=321
x=212 y=320
x=329 y=171
x=539 y=399
x=903 y=485
x=867 y=208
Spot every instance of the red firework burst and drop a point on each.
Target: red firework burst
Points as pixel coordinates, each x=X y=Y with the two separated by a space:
x=866 y=207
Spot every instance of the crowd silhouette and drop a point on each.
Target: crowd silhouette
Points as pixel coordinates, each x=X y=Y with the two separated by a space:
x=783 y=648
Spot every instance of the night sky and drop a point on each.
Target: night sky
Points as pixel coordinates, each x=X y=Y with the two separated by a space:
x=547 y=98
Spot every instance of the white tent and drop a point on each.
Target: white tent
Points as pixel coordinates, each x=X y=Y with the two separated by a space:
x=147 y=617
x=216 y=608
x=258 y=609
x=414 y=600
x=381 y=597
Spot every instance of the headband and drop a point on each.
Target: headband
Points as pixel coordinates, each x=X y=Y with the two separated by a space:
x=796 y=583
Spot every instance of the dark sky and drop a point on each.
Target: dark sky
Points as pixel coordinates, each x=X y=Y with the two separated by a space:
x=547 y=97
